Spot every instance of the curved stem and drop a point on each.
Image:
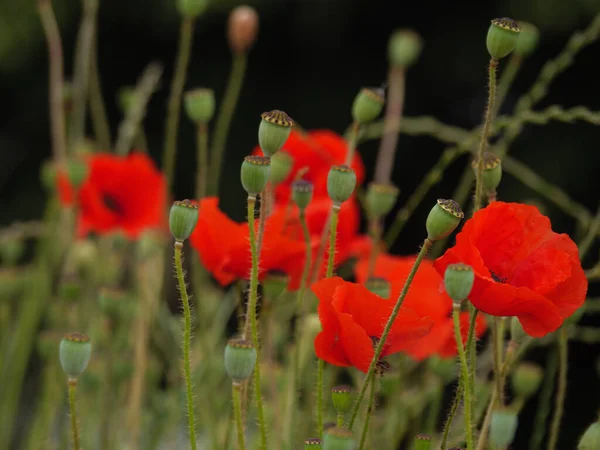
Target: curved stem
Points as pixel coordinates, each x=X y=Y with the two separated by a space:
x=202 y=160
x=465 y=375
x=73 y=413
x=543 y=410
x=253 y=321
x=559 y=404
x=237 y=412
x=388 y=326
x=186 y=33
x=226 y=111
x=452 y=414
x=187 y=331
x=370 y=408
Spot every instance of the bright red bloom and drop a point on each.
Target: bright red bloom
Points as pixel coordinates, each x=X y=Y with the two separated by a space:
x=316 y=151
x=522 y=268
x=353 y=320
x=126 y=194
x=426 y=297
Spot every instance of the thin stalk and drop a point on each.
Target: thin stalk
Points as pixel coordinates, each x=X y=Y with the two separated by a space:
x=236 y=389
x=107 y=394
x=262 y=218
x=375 y=232
x=497 y=357
x=370 y=407
x=489 y=113
x=186 y=33
x=187 y=332
x=434 y=409
x=485 y=427
x=73 y=413
x=561 y=390
x=452 y=414
x=332 y=239
x=97 y=108
x=320 y=383
x=202 y=160
x=253 y=321
x=471 y=347
x=543 y=410
x=511 y=69
x=352 y=140
x=465 y=376
x=226 y=111
x=340 y=420
x=388 y=326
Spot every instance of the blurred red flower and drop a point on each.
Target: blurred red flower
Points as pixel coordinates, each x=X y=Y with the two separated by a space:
x=125 y=194
x=353 y=320
x=426 y=297
x=522 y=268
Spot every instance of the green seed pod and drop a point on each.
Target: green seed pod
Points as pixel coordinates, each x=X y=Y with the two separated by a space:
x=517 y=333
x=313 y=444
x=526 y=379
x=74 y=353
x=445 y=368
x=503 y=428
x=379 y=286
x=492 y=171
x=126 y=97
x=191 y=8
x=274 y=129
x=302 y=193
x=255 y=174
x=11 y=250
x=338 y=439
x=200 y=105
x=275 y=284
x=367 y=105
x=502 y=37
x=404 y=48
x=528 y=39
x=381 y=198
x=443 y=219
x=342 y=398
x=240 y=358
x=591 y=438
x=458 y=281
x=422 y=442
x=183 y=218
x=341 y=182
x=281 y=166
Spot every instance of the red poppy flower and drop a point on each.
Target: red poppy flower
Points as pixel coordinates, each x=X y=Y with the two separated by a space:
x=126 y=194
x=224 y=248
x=426 y=297
x=317 y=151
x=353 y=320
x=522 y=268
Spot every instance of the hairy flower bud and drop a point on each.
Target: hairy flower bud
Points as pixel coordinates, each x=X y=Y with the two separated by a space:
x=240 y=358
x=200 y=105
x=502 y=37
x=341 y=182
x=274 y=129
x=341 y=398
x=242 y=28
x=255 y=174
x=526 y=379
x=503 y=427
x=75 y=351
x=380 y=199
x=281 y=166
x=404 y=48
x=528 y=39
x=183 y=218
x=302 y=193
x=367 y=105
x=458 y=281
x=338 y=439
x=379 y=286
x=443 y=219
x=492 y=171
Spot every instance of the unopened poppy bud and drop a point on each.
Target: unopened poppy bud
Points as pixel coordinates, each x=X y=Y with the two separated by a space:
x=240 y=358
x=191 y=8
x=341 y=398
x=126 y=98
x=367 y=105
x=422 y=442
x=75 y=351
x=338 y=439
x=528 y=39
x=445 y=368
x=341 y=182
x=526 y=379
x=313 y=444
x=458 y=281
x=591 y=438
x=492 y=171
x=381 y=198
x=404 y=48
x=183 y=218
x=242 y=28
x=275 y=284
x=69 y=287
x=379 y=286
x=302 y=193
x=517 y=333
x=255 y=174
x=281 y=166
x=200 y=105
x=503 y=427
x=502 y=37
x=274 y=129
x=443 y=219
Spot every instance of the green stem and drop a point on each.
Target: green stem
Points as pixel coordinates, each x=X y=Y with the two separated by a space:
x=237 y=412
x=489 y=113
x=452 y=414
x=262 y=218
x=73 y=413
x=335 y=212
x=561 y=390
x=202 y=161
x=352 y=140
x=252 y=319
x=226 y=111
x=471 y=347
x=97 y=108
x=388 y=326
x=186 y=33
x=497 y=357
x=340 y=420
x=434 y=410
x=507 y=78
x=465 y=376
x=543 y=410
x=320 y=372
x=370 y=408
x=375 y=228
x=187 y=330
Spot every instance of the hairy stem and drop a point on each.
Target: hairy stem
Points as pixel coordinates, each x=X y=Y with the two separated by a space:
x=73 y=413
x=335 y=212
x=453 y=409
x=320 y=406
x=370 y=408
x=561 y=390
x=465 y=376
x=375 y=232
x=202 y=161
x=236 y=389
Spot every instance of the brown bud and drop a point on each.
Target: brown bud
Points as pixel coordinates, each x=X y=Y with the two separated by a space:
x=242 y=28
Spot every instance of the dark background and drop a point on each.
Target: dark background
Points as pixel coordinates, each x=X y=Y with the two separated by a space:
x=311 y=58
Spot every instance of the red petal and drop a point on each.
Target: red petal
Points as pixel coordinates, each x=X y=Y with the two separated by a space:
x=357 y=344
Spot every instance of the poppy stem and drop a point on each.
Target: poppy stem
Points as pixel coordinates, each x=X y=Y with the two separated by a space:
x=320 y=372
x=370 y=407
x=187 y=332
x=184 y=51
x=97 y=108
x=202 y=160
x=543 y=410
x=497 y=357
x=375 y=231
x=236 y=389
x=335 y=212
x=388 y=326
x=73 y=412
x=464 y=375
x=561 y=390
x=253 y=320
x=489 y=114
x=352 y=140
